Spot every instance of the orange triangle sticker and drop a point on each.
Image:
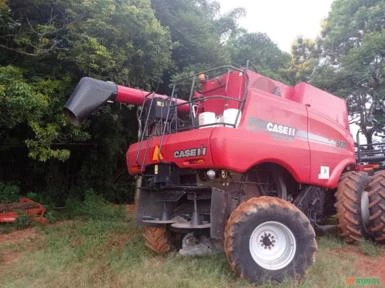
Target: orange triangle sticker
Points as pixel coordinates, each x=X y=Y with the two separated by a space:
x=157 y=155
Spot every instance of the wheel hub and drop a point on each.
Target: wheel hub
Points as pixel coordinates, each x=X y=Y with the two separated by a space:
x=365 y=209
x=272 y=245
x=267 y=240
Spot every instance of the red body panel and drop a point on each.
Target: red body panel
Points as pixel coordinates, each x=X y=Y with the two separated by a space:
x=301 y=128
x=230 y=85
x=329 y=147
x=325 y=104
x=140 y=155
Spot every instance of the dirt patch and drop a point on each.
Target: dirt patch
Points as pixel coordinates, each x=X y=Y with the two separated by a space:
x=8 y=257
x=365 y=266
x=18 y=236
x=18 y=242
x=63 y=223
x=25 y=237
x=118 y=241
x=130 y=210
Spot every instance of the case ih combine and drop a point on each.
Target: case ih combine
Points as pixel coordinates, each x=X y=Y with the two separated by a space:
x=239 y=161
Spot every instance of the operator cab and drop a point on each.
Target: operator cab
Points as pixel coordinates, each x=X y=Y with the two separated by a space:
x=215 y=99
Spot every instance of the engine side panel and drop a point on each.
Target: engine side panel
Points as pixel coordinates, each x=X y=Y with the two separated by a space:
x=272 y=129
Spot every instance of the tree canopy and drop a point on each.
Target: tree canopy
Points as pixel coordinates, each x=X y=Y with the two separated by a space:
x=352 y=63
x=262 y=54
x=47 y=46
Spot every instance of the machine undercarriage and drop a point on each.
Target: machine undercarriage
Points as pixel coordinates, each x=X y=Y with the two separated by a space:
x=198 y=204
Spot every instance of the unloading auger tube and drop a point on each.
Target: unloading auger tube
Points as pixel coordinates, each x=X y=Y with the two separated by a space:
x=90 y=94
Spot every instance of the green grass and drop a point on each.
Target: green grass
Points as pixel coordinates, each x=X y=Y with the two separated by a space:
x=369 y=248
x=109 y=252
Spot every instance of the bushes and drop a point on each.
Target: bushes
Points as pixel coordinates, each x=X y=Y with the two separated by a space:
x=93 y=207
x=9 y=193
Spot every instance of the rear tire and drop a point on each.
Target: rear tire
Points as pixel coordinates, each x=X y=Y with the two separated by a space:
x=268 y=239
x=350 y=213
x=157 y=238
x=377 y=207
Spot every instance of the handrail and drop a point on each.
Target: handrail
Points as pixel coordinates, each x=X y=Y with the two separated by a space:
x=167 y=125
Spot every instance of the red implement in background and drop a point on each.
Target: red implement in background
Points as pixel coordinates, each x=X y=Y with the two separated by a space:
x=9 y=212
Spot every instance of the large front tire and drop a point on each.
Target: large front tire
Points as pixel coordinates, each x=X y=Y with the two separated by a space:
x=268 y=239
x=351 y=205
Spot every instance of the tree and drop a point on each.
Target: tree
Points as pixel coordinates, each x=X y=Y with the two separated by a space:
x=353 y=46
x=56 y=42
x=46 y=46
x=198 y=32
x=24 y=112
x=305 y=55
x=263 y=55
x=103 y=38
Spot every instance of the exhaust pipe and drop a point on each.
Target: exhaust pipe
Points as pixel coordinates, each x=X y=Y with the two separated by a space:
x=88 y=95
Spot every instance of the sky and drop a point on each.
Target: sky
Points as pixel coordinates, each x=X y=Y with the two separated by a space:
x=282 y=20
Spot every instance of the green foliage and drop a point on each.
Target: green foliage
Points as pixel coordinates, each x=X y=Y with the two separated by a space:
x=353 y=59
x=93 y=207
x=197 y=30
x=26 y=105
x=50 y=45
x=349 y=22
x=263 y=55
x=106 y=40
x=21 y=102
x=52 y=216
x=305 y=55
x=22 y=222
x=9 y=192
x=120 y=41
x=369 y=248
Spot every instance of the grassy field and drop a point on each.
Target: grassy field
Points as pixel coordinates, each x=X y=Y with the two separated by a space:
x=107 y=250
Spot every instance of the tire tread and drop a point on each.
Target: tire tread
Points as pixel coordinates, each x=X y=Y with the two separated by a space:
x=348 y=205
x=377 y=207
x=157 y=239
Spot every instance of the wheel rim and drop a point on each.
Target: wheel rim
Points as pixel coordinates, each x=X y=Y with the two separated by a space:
x=365 y=208
x=272 y=245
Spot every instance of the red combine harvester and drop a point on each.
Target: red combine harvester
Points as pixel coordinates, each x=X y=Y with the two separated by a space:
x=236 y=160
